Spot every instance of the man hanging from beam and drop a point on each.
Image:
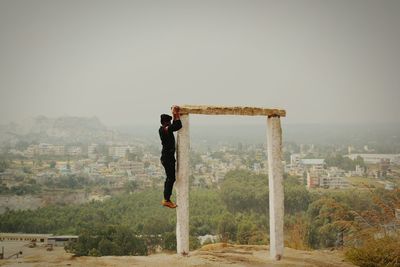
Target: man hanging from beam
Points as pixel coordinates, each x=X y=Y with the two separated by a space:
x=167 y=137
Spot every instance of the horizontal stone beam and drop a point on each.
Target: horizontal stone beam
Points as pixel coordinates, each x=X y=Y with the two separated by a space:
x=221 y=110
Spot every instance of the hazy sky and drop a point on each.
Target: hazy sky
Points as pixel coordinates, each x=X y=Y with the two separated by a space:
x=128 y=61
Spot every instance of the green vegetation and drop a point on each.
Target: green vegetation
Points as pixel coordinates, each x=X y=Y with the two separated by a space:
x=383 y=251
x=344 y=163
x=237 y=212
x=73 y=181
x=19 y=190
x=364 y=182
x=4 y=165
x=110 y=240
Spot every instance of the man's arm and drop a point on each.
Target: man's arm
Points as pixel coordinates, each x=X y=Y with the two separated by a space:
x=176 y=124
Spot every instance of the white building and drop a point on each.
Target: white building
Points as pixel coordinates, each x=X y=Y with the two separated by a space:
x=74 y=151
x=314 y=163
x=61 y=240
x=42 y=238
x=295 y=159
x=137 y=167
x=376 y=158
x=335 y=172
x=333 y=182
x=58 y=150
x=31 y=151
x=50 y=149
x=120 y=151
x=92 y=151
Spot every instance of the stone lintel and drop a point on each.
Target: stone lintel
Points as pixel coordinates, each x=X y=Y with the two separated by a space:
x=222 y=110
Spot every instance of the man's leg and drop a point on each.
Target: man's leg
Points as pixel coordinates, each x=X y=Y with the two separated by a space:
x=169 y=166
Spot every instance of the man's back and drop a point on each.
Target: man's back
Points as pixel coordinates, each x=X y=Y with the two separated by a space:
x=167 y=137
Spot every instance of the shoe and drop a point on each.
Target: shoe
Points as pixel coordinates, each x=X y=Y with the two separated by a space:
x=168 y=204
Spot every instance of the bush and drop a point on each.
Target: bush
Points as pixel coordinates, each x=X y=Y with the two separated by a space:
x=376 y=252
x=113 y=240
x=194 y=242
x=169 y=241
x=94 y=253
x=259 y=237
x=227 y=228
x=244 y=232
x=297 y=229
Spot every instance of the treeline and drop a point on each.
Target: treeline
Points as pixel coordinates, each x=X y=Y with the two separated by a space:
x=344 y=163
x=20 y=190
x=237 y=212
x=4 y=164
x=29 y=186
x=71 y=181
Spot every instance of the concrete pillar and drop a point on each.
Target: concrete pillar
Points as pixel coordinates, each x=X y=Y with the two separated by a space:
x=182 y=188
x=275 y=174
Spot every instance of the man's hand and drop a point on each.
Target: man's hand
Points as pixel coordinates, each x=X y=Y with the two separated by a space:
x=175 y=110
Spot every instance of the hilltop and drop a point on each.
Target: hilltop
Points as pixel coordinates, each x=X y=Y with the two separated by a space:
x=219 y=254
x=66 y=129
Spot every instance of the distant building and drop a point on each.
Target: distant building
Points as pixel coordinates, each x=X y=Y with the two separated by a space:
x=42 y=238
x=61 y=240
x=31 y=151
x=295 y=159
x=93 y=151
x=315 y=163
x=74 y=151
x=58 y=150
x=389 y=186
x=45 y=149
x=359 y=170
x=119 y=151
x=335 y=172
x=219 y=176
x=376 y=158
x=350 y=149
x=333 y=182
x=38 y=238
x=137 y=167
x=312 y=180
x=50 y=149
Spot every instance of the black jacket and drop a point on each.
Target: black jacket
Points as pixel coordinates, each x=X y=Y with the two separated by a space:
x=168 y=139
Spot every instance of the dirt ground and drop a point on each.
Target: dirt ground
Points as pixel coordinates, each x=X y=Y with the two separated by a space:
x=220 y=255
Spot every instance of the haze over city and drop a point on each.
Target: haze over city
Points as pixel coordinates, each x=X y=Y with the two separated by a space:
x=91 y=174
x=128 y=61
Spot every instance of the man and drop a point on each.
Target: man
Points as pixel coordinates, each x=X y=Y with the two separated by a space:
x=167 y=137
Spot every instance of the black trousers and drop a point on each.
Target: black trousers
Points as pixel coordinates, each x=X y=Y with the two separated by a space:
x=169 y=166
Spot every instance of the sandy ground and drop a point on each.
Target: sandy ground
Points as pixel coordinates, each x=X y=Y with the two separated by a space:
x=211 y=255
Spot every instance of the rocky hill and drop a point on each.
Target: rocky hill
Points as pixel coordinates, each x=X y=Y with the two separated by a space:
x=57 y=130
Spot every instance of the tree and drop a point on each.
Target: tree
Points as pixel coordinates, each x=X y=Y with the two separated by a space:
x=3 y=165
x=52 y=164
x=131 y=186
x=244 y=232
x=227 y=229
x=169 y=239
x=297 y=198
x=244 y=191
x=106 y=247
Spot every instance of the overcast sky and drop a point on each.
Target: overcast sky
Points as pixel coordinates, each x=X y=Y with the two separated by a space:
x=128 y=61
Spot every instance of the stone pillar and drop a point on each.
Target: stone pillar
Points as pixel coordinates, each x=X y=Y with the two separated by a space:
x=182 y=187
x=275 y=177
